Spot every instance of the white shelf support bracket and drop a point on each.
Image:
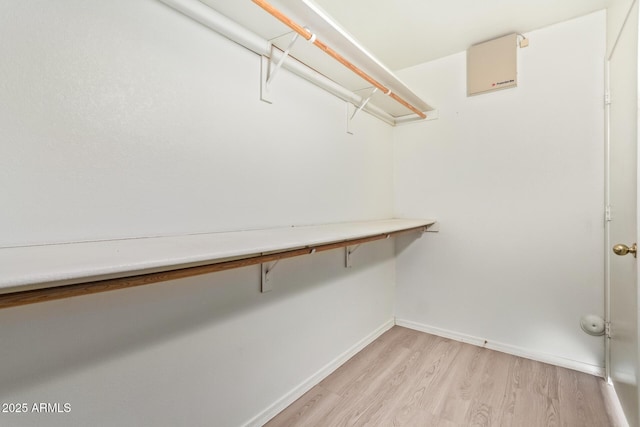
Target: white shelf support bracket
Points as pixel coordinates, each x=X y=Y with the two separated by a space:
x=365 y=102
x=433 y=228
x=265 y=93
x=274 y=71
x=350 y=115
x=350 y=107
x=266 y=284
x=348 y=251
x=268 y=71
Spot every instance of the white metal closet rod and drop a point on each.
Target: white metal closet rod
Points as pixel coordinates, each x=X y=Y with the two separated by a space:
x=329 y=51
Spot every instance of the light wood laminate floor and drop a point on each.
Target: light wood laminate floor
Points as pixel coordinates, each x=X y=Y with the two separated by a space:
x=409 y=378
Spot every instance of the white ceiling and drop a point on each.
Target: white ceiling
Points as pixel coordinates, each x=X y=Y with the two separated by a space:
x=402 y=33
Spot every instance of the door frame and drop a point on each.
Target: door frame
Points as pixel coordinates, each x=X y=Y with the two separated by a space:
x=607 y=203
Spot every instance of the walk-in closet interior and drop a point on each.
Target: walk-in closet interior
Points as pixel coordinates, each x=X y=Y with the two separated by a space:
x=319 y=212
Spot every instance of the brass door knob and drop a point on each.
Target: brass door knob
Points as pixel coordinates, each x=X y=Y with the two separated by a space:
x=622 y=250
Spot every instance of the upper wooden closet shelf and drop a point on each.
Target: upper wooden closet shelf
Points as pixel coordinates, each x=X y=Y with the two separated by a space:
x=38 y=273
x=344 y=48
x=393 y=102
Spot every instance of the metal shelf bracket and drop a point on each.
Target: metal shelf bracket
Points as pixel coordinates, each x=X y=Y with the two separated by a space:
x=433 y=228
x=348 y=251
x=266 y=284
x=365 y=102
x=350 y=115
x=268 y=70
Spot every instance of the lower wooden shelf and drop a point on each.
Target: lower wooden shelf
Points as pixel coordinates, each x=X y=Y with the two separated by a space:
x=42 y=273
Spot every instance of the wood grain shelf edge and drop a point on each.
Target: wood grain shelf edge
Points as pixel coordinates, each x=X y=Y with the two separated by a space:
x=19 y=298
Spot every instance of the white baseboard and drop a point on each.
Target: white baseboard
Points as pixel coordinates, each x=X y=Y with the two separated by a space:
x=505 y=348
x=314 y=379
x=613 y=406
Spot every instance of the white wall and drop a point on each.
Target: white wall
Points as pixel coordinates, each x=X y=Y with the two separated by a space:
x=125 y=119
x=516 y=179
x=624 y=364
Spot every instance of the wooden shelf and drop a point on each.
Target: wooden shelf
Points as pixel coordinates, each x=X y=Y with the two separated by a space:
x=39 y=273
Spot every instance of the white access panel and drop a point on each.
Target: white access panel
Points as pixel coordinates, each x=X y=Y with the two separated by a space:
x=492 y=65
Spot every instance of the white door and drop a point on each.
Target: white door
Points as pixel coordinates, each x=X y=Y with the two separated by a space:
x=623 y=131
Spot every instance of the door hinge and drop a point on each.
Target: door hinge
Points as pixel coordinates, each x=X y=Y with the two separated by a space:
x=607 y=329
x=607 y=98
x=607 y=213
